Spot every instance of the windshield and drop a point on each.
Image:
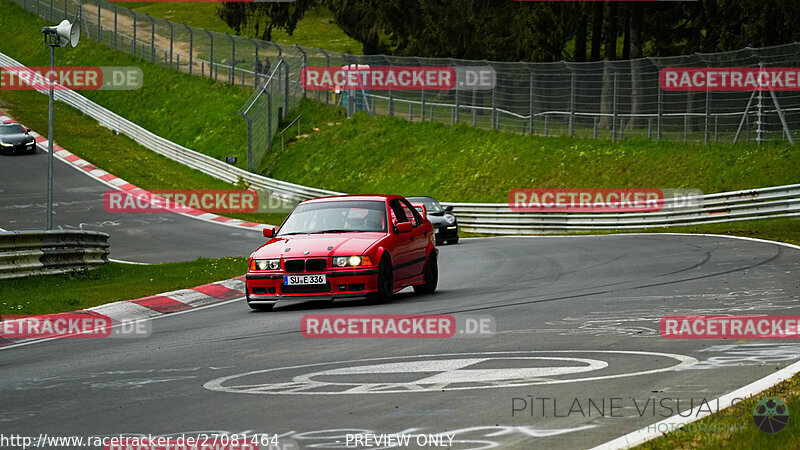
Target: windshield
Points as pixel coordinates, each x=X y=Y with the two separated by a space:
x=11 y=129
x=430 y=204
x=336 y=217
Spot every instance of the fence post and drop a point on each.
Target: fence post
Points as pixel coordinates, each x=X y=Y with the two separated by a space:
x=531 y=103
x=133 y=43
x=116 y=34
x=708 y=118
x=596 y=120
x=211 y=55
x=269 y=120
x=256 y=63
x=614 y=110
x=231 y=80
x=571 y=102
x=191 y=49
x=99 y=31
x=660 y=106
x=286 y=88
x=171 y=39
x=494 y=106
x=422 y=106
x=410 y=112
x=152 y=38
x=474 y=107
x=66 y=8
x=328 y=64
x=51 y=10
x=546 y=125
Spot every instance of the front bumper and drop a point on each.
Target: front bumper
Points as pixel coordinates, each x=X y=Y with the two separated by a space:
x=20 y=148
x=267 y=288
x=445 y=232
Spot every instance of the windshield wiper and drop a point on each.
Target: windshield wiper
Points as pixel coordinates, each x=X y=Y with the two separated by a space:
x=338 y=231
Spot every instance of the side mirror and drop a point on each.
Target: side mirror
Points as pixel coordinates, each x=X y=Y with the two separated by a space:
x=404 y=227
x=269 y=232
x=27 y=130
x=448 y=208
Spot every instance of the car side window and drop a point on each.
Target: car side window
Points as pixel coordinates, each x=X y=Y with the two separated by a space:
x=397 y=211
x=411 y=213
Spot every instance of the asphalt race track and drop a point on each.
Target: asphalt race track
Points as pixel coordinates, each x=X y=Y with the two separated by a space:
x=576 y=318
x=78 y=205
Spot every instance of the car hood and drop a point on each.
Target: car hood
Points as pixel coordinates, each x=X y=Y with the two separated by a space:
x=16 y=139
x=317 y=245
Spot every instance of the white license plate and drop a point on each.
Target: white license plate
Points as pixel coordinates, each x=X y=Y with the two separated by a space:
x=290 y=280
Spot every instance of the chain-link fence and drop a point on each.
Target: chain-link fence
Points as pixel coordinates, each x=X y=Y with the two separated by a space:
x=604 y=99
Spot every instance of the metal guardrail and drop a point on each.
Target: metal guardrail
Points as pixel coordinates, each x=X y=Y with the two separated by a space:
x=752 y=204
x=490 y=218
x=26 y=253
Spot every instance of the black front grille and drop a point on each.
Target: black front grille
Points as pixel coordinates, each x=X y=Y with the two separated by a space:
x=306 y=288
x=294 y=265
x=316 y=264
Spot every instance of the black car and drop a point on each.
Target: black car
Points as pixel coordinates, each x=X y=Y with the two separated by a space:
x=443 y=220
x=15 y=138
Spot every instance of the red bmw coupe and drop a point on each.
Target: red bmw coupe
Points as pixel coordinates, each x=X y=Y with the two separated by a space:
x=344 y=247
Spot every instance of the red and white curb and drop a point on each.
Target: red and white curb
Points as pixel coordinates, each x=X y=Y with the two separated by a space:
x=127 y=311
x=118 y=183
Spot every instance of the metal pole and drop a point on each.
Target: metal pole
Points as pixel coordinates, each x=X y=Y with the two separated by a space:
x=286 y=88
x=152 y=38
x=782 y=117
x=422 y=108
x=191 y=50
x=708 y=118
x=494 y=107
x=269 y=121
x=51 y=10
x=99 y=31
x=171 y=39
x=532 y=128
x=474 y=108
x=614 y=111
x=572 y=105
x=50 y=146
x=249 y=144
x=328 y=64
x=133 y=43
x=116 y=35
x=231 y=81
x=66 y=8
x=256 y=63
x=596 y=120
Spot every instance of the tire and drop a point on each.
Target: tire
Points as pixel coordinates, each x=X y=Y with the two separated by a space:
x=431 y=273
x=260 y=307
x=452 y=241
x=385 y=279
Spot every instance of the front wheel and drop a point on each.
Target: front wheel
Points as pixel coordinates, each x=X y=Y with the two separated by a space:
x=431 y=276
x=385 y=279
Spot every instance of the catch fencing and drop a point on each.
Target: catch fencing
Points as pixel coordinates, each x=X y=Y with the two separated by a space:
x=25 y=253
x=488 y=218
x=605 y=99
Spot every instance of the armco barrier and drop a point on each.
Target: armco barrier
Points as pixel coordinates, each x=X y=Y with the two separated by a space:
x=24 y=253
x=489 y=218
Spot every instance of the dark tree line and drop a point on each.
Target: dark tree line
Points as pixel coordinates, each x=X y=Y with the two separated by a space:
x=506 y=30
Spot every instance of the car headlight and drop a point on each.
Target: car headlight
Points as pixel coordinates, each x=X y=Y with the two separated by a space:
x=31 y=142
x=5 y=144
x=266 y=264
x=449 y=219
x=351 y=261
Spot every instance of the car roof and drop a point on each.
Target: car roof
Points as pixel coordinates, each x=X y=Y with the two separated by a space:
x=420 y=198
x=363 y=197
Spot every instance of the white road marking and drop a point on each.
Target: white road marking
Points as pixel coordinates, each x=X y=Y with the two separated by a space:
x=451 y=370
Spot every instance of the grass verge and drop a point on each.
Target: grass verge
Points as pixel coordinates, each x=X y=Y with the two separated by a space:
x=316 y=29
x=738 y=432
x=115 y=281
